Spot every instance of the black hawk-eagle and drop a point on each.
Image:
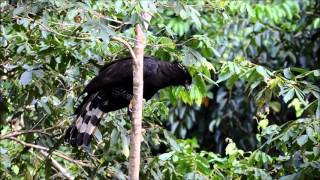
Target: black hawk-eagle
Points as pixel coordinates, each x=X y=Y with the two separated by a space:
x=112 y=88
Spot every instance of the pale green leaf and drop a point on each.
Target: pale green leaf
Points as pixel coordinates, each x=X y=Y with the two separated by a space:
x=166 y=156
x=289 y=95
x=15 y=169
x=262 y=71
x=26 y=78
x=301 y=140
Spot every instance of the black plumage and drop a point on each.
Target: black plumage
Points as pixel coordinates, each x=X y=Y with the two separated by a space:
x=111 y=90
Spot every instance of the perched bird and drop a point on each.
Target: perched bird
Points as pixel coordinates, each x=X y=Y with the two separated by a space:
x=112 y=88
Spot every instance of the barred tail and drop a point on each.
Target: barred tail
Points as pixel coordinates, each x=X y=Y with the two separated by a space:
x=88 y=117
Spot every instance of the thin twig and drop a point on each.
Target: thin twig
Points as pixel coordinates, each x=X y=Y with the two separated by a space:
x=126 y=44
x=57 y=153
x=99 y=15
x=18 y=133
x=49 y=29
x=63 y=35
x=43 y=118
x=58 y=166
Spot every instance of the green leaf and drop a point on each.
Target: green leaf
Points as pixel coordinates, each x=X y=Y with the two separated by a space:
x=72 y=13
x=318 y=110
x=15 y=169
x=167 y=42
x=98 y=135
x=297 y=106
x=275 y=105
x=232 y=149
x=288 y=11
x=125 y=146
x=316 y=23
x=289 y=95
x=301 y=140
x=287 y=73
x=183 y=14
x=300 y=95
x=46 y=107
x=55 y=101
x=263 y=123
x=310 y=132
x=316 y=73
x=166 y=156
x=316 y=151
x=114 y=137
x=118 y=5
x=194 y=14
x=216 y=53
x=224 y=76
x=200 y=84
x=290 y=177
x=262 y=71
x=21 y=48
x=209 y=80
x=18 y=11
x=26 y=78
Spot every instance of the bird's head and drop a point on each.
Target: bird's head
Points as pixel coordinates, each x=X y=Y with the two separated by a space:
x=183 y=76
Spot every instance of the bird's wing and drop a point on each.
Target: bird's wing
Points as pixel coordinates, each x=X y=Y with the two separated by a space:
x=118 y=73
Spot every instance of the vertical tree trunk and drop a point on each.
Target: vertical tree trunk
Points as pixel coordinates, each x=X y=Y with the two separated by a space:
x=137 y=104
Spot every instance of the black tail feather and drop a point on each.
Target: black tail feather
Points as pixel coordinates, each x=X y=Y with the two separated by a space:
x=88 y=117
x=71 y=135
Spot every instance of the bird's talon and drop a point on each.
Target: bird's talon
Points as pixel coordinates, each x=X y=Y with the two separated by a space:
x=129 y=111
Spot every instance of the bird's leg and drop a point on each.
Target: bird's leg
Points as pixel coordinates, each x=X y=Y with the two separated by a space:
x=125 y=95
x=130 y=106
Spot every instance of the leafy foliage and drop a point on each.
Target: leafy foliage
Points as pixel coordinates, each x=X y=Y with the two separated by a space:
x=253 y=110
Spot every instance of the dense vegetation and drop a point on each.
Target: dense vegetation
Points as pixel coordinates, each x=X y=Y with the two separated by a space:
x=253 y=110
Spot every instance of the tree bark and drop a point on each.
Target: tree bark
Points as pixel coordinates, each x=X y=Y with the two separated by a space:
x=137 y=104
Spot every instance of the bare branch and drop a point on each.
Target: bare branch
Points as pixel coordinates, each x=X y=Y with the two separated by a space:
x=58 y=166
x=135 y=138
x=56 y=153
x=126 y=44
x=18 y=133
